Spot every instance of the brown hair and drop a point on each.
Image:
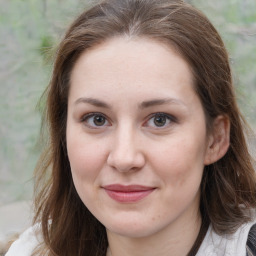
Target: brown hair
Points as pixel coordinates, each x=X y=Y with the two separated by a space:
x=228 y=188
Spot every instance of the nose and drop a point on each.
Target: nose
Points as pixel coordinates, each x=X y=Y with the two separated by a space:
x=126 y=152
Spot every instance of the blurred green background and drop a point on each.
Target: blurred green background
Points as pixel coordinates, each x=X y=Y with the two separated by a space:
x=29 y=29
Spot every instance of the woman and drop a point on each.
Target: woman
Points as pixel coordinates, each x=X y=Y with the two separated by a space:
x=147 y=154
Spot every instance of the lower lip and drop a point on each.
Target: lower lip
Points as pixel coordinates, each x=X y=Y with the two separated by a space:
x=129 y=196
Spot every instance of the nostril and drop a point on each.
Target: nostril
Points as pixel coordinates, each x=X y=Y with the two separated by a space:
x=126 y=162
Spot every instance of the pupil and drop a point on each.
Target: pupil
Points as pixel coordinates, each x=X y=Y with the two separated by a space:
x=99 y=120
x=160 y=121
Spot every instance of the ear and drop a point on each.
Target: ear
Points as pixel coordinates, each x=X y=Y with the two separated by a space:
x=218 y=140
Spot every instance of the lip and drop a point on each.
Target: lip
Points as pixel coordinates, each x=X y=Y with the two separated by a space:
x=127 y=193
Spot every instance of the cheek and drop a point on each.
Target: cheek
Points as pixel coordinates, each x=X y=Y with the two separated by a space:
x=180 y=164
x=84 y=161
x=85 y=168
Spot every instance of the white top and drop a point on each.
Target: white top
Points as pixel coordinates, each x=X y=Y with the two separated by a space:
x=227 y=245
x=213 y=244
x=26 y=243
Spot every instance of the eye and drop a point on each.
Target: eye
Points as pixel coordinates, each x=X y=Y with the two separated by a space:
x=95 y=120
x=160 y=120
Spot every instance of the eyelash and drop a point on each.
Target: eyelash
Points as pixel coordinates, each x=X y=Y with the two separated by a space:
x=167 y=118
x=171 y=119
x=86 y=117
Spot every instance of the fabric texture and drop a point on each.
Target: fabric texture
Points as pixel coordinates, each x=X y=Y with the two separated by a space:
x=26 y=243
x=227 y=245
x=251 y=242
x=241 y=243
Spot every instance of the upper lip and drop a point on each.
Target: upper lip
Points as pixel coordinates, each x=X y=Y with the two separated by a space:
x=127 y=188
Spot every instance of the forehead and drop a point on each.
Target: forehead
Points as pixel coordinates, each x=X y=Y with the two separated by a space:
x=130 y=65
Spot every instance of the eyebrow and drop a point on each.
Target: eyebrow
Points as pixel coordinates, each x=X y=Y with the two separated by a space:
x=144 y=104
x=94 y=102
x=159 y=102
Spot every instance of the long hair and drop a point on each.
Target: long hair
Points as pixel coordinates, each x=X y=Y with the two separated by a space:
x=228 y=187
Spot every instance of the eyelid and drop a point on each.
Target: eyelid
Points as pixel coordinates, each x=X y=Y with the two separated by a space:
x=90 y=114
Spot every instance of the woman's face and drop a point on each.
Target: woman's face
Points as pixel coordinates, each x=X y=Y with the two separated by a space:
x=136 y=136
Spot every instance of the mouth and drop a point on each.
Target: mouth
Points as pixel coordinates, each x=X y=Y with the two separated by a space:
x=128 y=194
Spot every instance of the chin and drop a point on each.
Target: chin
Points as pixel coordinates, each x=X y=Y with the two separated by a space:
x=133 y=229
x=138 y=232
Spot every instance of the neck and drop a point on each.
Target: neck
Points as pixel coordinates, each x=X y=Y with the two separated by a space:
x=177 y=239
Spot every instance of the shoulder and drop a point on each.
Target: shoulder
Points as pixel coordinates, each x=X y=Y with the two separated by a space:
x=237 y=244
x=26 y=243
